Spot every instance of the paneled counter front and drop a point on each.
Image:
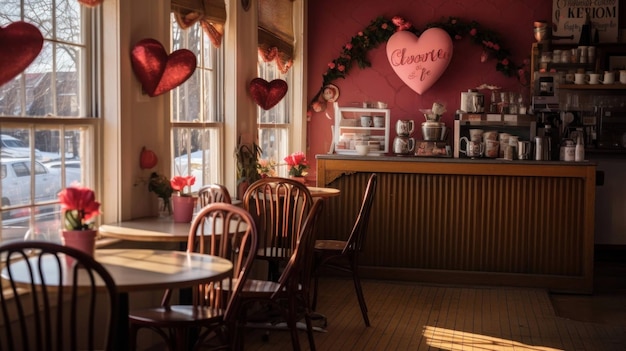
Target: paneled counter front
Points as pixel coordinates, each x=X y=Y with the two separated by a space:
x=462 y=221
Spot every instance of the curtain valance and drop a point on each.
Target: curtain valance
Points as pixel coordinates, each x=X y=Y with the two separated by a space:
x=210 y=13
x=276 y=38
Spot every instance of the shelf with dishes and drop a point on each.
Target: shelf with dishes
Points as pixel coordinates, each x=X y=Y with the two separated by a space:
x=361 y=131
x=616 y=86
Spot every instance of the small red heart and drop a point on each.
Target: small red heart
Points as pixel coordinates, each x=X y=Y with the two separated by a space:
x=159 y=72
x=267 y=95
x=20 y=43
x=90 y=3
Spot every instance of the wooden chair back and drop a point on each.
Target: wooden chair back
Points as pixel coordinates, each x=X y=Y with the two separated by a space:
x=211 y=193
x=297 y=274
x=359 y=230
x=237 y=243
x=76 y=312
x=279 y=207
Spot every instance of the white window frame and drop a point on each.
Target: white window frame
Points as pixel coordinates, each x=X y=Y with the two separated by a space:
x=89 y=68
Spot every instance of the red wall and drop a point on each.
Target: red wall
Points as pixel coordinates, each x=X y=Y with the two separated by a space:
x=333 y=23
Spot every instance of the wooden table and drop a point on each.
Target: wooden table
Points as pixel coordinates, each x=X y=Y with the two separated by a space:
x=148 y=229
x=323 y=192
x=140 y=270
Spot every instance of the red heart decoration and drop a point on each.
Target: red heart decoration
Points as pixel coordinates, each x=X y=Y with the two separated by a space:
x=159 y=72
x=90 y=3
x=20 y=43
x=267 y=95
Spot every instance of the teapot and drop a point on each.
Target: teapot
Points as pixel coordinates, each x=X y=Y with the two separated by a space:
x=405 y=127
x=403 y=145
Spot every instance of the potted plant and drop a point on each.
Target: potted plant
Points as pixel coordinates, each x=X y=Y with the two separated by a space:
x=247 y=161
x=298 y=165
x=183 y=203
x=160 y=185
x=79 y=209
x=266 y=167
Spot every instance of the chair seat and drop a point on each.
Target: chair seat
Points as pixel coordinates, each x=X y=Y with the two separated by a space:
x=177 y=314
x=330 y=245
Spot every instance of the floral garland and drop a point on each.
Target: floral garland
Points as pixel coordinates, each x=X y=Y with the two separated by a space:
x=381 y=29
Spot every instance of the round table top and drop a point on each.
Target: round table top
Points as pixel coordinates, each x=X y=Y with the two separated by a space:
x=323 y=192
x=151 y=229
x=141 y=269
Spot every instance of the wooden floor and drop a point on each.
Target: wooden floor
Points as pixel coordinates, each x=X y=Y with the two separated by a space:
x=413 y=316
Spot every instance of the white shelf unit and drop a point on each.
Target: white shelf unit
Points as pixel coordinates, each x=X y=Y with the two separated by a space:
x=348 y=129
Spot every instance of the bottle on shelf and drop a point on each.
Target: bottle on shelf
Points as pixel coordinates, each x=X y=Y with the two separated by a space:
x=580 y=149
x=585 y=32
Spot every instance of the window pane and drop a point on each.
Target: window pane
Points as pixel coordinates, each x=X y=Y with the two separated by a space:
x=195 y=154
x=67 y=87
x=68 y=25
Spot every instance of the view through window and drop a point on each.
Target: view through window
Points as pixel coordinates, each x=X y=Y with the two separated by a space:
x=47 y=127
x=197 y=110
x=273 y=124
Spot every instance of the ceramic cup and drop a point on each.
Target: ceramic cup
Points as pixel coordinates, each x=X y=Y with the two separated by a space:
x=579 y=78
x=379 y=121
x=622 y=76
x=490 y=135
x=594 y=78
x=366 y=121
x=609 y=78
x=492 y=148
x=476 y=134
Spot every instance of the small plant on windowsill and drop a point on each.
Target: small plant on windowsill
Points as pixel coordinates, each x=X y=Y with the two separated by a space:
x=79 y=208
x=266 y=168
x=183 y=203
x=297 y=164
x=160 y=185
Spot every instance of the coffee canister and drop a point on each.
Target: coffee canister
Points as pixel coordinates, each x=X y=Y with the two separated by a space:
x=472 y=101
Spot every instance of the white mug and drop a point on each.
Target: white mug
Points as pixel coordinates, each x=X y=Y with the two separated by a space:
x=476 y=134
x=579 y=78
x=379 y=121
x=609 y=78
x=622 y=76
x=594 y=78
x=366 y=121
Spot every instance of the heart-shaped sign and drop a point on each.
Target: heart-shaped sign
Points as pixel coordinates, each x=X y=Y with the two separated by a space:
x=20 y=43
x=267 y=95
x=420 y=61
x=159 y=72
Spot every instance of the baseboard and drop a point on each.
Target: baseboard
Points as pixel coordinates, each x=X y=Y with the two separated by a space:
x=610 y=253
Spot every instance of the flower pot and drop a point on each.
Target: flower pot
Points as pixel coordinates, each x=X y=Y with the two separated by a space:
x=83 y=240
x=299 y=179
x=183 y=208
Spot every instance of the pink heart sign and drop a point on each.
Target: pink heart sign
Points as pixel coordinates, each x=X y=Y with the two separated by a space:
x=265 y=94
x=20 y=44
x=159 y=72
x=420 y=61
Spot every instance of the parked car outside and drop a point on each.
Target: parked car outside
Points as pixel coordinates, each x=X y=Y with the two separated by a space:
x=72 y=170
x=15 y=148
x=16 y=186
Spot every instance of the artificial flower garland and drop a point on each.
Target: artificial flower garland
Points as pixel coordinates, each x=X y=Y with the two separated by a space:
x=381 y=29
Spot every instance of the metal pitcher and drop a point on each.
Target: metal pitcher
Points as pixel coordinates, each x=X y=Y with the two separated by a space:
x=405 y=127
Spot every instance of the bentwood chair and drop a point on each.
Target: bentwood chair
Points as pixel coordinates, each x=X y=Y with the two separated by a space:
x=344 y=255
x=279 y=207
x=290 y=295
x=212 y=193
x=214 y=305
x=57 y=298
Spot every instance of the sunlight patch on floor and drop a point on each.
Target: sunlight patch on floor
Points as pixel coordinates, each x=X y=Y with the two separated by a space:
x=449 y=339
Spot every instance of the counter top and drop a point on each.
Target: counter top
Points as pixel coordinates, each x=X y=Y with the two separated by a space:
x=411 y=158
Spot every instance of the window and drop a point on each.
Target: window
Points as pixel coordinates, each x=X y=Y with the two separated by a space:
x=274 y=123
x=46 y=117
x=197 y=110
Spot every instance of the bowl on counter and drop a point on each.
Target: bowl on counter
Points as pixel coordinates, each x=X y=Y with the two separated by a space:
x=362 y=149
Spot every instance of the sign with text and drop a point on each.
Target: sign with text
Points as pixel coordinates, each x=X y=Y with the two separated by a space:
x=569 y=16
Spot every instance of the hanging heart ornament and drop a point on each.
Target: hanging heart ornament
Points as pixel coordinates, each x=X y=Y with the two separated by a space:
x=420 y=61
x=20 y=43
x=267 y=95
x=159 y=72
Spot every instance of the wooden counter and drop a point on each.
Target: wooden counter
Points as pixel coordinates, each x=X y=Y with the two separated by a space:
x=461 y=221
